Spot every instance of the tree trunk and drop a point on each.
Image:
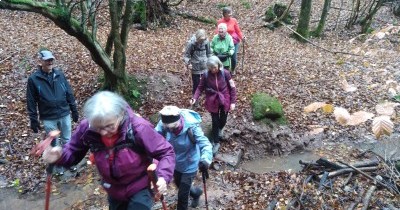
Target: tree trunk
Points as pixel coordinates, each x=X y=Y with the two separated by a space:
x=321 y=24
x=304 y=19
x=157 y=11
x=366 y=22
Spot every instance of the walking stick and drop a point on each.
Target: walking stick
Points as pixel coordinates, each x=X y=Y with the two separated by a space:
x=37 y=150
x=243 y=56
x=205 y=176
x=151 y=172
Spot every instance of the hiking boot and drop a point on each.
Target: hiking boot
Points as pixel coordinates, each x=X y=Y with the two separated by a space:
x=221 y=134
x=196 y=198
x=215 y=148
x=60 y=173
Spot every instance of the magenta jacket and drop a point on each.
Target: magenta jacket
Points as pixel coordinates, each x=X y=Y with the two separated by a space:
x=218 y=91
x=126 y=174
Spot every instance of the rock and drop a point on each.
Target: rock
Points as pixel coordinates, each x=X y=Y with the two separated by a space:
x=231 y=159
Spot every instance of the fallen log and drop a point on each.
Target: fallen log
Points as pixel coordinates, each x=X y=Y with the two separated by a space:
x=328 y=164
x=367 y=197
x=347 y=170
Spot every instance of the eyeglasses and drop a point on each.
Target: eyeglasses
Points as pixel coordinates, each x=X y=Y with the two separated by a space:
x=109 y=128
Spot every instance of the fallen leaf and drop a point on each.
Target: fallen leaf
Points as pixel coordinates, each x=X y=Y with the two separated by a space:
x=313 y=107
x=347 y=87
x=328 y=108
x=316 y=131
x=386 y=108
x=382 y=125
x=342 y=116
x=359 y=117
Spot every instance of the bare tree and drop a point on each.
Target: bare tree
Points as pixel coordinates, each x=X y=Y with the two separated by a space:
x=79 y=19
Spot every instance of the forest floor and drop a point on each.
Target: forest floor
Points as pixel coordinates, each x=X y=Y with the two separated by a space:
x=360 y=74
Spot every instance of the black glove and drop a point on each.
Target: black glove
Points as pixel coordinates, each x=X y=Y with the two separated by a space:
x=75 y=116
x=35 y=126
x=203 y=166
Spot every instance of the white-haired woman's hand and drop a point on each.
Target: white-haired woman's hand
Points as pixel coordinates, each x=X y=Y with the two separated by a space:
x=161 y=185
x=52 y=154
x=233 y=107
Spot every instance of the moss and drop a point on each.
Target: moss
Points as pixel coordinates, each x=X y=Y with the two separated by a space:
x=276 y=11
x=267 y=108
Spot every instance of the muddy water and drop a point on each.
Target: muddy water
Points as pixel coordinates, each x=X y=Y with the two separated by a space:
x=274 y=163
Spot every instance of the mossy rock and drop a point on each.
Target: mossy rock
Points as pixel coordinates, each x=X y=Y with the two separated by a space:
x=267 y=109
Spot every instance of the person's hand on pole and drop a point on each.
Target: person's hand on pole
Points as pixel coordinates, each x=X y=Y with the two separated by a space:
x=52 y=154
x=203 y=167
x=162 y=185
x=192 y=101
x=233 y=107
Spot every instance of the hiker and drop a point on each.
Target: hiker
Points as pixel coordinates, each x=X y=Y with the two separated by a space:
x=123 y=145
x=181 y=127
x=196 y=54
x=222 y=46
x=49 y=92
x=234 y=30
x=220 y=97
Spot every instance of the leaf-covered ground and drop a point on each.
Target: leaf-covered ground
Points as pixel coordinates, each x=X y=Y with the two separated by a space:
x=296 y=73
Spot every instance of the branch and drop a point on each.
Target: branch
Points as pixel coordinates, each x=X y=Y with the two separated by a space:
x=307 y=40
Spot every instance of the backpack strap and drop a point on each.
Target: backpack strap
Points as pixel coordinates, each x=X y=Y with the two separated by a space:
x=191 y=136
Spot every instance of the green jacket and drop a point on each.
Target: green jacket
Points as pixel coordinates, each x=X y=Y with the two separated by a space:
x=220 y=46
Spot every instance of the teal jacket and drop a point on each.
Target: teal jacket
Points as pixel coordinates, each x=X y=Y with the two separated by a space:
x=188 y=153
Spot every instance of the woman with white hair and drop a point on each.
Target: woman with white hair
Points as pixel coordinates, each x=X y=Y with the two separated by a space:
x=222 y=46
x=220 y=97
x=196 y=54
x=123 y=145
x=234 y=30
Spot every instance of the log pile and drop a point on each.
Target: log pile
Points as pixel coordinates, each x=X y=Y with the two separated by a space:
x=378 y=174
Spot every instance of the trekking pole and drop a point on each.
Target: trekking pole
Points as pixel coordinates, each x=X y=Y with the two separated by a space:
x=243 y=56
x=49 y=171
x=205 y=176
x=151 y=172
x=37 y=150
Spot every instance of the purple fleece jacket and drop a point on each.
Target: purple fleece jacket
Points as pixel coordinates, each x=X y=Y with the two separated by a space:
x=126 y=175
x=218 y=91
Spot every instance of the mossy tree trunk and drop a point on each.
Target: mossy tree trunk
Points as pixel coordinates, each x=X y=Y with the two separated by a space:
x=80 y=22
x=304 y=19
x=318 y=31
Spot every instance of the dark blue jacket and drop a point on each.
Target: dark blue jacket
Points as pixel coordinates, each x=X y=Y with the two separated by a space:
x=54 y=99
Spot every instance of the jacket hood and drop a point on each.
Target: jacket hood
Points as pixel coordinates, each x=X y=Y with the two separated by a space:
x=191 y=117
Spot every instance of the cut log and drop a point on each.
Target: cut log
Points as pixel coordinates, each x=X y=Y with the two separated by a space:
x=367 y=197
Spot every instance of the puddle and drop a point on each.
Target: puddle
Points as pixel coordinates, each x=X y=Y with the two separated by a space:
x=275 y=163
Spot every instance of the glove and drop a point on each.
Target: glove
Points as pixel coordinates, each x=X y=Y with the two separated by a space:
x=35 y=125
x=52 y=154
x=75 y=116
x=233 y=107
x=203 y=166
